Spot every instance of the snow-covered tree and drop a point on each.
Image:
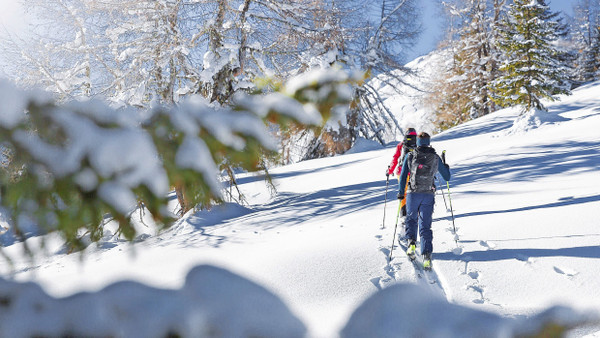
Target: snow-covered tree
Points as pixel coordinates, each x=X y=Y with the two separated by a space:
x=386 y=38
x=585 y=30
x=69 y=165
x=372 y=36
x=470 y=73
x=463 y=92
x=140 y=53
x=63 y=63
x=596 y=47
x=532 y=70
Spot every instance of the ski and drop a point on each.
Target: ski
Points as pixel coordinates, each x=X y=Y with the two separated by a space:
x=417 y=262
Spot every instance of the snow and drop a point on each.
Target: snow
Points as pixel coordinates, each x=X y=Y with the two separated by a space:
x=12 y=111
x=409 y=310
x=194 y=154
x=223 y=124
x=212 y=303
x=263 y=105
x=410 y=109
x=362 y=145
x=314 y=256
x=534 y=119
x=126 y=158
x=318 y=76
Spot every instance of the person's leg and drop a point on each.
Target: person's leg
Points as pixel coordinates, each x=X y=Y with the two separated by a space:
x=425 y=219
x=412 y=215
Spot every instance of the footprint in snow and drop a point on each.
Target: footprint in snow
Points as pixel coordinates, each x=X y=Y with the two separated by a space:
x=479 y=291
x=457 y=251
x=379 y=237
x=376 y=281
x=474 y=274
x=487 y=245
x=450 y=229
x=566 y=272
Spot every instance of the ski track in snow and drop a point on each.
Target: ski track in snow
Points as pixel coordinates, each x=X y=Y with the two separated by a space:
x=400 y=267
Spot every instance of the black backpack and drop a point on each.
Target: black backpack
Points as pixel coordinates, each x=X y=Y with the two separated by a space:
x=423 y=164
x=409 y=144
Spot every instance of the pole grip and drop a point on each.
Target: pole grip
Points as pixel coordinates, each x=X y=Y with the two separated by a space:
x=444 y=156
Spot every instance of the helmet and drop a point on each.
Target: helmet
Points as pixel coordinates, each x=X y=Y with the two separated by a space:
x=410 y=138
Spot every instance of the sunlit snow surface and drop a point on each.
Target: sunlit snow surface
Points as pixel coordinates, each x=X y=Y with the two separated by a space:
x=526 y=204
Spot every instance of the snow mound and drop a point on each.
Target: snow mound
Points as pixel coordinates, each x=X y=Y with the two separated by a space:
x=532 y=119
x=212 y=303
x=362 y=145
x=410 y=310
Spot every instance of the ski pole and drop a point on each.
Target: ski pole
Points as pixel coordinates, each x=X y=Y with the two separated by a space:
x=443 y=196
x=395 y=227
x=450 y=199
x=387 y=182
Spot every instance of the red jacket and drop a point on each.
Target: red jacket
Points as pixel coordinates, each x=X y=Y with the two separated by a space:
x=397 y=156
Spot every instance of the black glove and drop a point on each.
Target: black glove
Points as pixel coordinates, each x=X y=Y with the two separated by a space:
x=400 y=196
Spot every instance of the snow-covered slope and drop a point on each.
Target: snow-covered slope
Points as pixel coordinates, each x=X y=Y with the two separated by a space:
x=410 y=108
x=526 y=210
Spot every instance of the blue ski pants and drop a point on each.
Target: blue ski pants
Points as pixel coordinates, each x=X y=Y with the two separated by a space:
x=419 y=213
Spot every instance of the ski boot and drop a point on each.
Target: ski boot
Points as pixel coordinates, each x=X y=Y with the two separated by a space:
x=412 y=249
x=427 y=261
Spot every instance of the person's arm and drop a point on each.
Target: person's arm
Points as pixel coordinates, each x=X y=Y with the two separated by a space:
x=403 y=175
x=444 y=169
x=394 y=162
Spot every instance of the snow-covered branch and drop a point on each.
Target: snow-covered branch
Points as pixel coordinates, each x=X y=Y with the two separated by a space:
x=80 y=160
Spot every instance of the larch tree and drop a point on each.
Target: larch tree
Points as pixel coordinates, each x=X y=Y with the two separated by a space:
x=59 y=54
x=375 y=37
x=463 y=93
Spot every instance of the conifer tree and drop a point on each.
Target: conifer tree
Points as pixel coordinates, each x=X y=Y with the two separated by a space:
x=586 y=28
x=596 y=47
x=532 y=70
x=463 y=93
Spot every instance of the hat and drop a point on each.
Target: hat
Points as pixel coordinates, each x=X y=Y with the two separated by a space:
x=423 y=139
x=411 y=131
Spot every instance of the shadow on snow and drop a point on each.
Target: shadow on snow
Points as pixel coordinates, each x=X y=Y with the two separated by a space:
x=531 y=163
x=565 y=201
x=275 y=176
x=287 y=210
x=292 y=209
x=592 y=251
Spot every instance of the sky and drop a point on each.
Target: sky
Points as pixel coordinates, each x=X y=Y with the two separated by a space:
x=10 y=14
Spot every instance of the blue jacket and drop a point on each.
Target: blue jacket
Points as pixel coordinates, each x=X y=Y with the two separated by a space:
x=443 y=169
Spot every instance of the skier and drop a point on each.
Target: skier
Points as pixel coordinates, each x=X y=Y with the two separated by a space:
x=422 y=165
x=403 y=148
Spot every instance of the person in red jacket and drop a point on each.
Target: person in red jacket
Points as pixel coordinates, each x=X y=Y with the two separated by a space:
x=403 y=148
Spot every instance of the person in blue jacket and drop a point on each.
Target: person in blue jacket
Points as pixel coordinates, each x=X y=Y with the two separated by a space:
x=422 y=164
